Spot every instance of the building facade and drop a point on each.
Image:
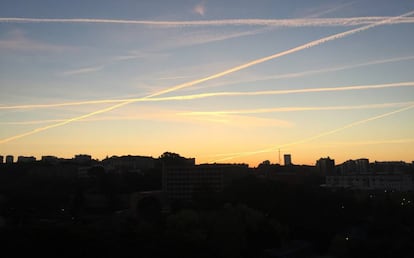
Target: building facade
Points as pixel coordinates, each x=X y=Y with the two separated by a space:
x=326 y=166
x=397 y=182
x=23 y=159
x=287 y=159
x=182 y=183
x=9 y=159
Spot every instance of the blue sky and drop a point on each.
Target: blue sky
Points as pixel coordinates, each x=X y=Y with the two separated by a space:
x=47 y=60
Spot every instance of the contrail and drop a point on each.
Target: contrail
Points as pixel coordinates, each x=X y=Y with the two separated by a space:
x=281 y=76
x=214 y=94
x=232 y=112
x=41 y=129
x=318 y=71
x=301 y=22
x=243 y=154
x=217 y=75
x=406 y=140
x=296 y=109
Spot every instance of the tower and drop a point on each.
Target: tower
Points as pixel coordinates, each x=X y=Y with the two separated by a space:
x=287 y=159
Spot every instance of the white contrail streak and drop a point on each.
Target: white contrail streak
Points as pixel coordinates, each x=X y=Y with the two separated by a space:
x=393 y=141
x=302 y=22
x=296 y=109
x=320 y=135
x=217 y=75
x=232 y=112
x=213 y=94
x=318 y=71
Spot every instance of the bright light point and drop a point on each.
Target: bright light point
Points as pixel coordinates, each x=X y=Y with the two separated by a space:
x=346 y=238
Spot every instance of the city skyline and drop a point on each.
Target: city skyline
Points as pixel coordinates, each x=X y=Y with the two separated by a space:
x=222 y=82
x=285 y=162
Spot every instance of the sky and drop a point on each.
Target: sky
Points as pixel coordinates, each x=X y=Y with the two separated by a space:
x=221 y=81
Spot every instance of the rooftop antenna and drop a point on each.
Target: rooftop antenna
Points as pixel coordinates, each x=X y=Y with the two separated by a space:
x=279 y=156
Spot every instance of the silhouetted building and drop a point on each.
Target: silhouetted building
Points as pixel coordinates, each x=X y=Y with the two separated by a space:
x=287 y=159
x=230 y=171
x=82 y=159
x=50 y=159
x=9 y=159
x=181 y=183
x=23 y=159
x=362 y=165
x=1 y=159
x=359 y=174
x=326 y=165
x=387 y=167
x=129 y=163
x=359 y=166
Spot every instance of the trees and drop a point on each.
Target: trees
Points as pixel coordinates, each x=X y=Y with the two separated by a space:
x=174 y=159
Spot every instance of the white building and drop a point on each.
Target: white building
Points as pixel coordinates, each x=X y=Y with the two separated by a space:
x=288 y=159
x=397 y=182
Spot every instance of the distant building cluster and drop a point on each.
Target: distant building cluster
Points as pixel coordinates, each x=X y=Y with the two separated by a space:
x=362 y=175
x=182 y=179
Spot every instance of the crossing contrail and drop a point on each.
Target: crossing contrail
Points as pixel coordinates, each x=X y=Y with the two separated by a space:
x=214 y=94
x=280 y=76
x=299 y=22
x=231 y=156
x=225 y=113
x=217 y=75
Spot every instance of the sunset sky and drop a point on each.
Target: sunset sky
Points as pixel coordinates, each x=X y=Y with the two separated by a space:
x=221 y=81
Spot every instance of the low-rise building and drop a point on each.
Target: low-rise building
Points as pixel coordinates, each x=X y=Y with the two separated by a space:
x=9 y=159
x=23 y=159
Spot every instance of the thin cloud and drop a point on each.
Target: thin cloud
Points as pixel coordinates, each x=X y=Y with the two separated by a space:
x=200 y=37
x=17 y=40
x=200 y=8
x=173 y=77
x=377 y=142
x=214 y=94
x=168 y=115
x=84 y=70
x=182 y=41
x=296 y=109
x=231 y=156
x=320 y=11
x=211 y=77
x=111 y=61
x=317 y=71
